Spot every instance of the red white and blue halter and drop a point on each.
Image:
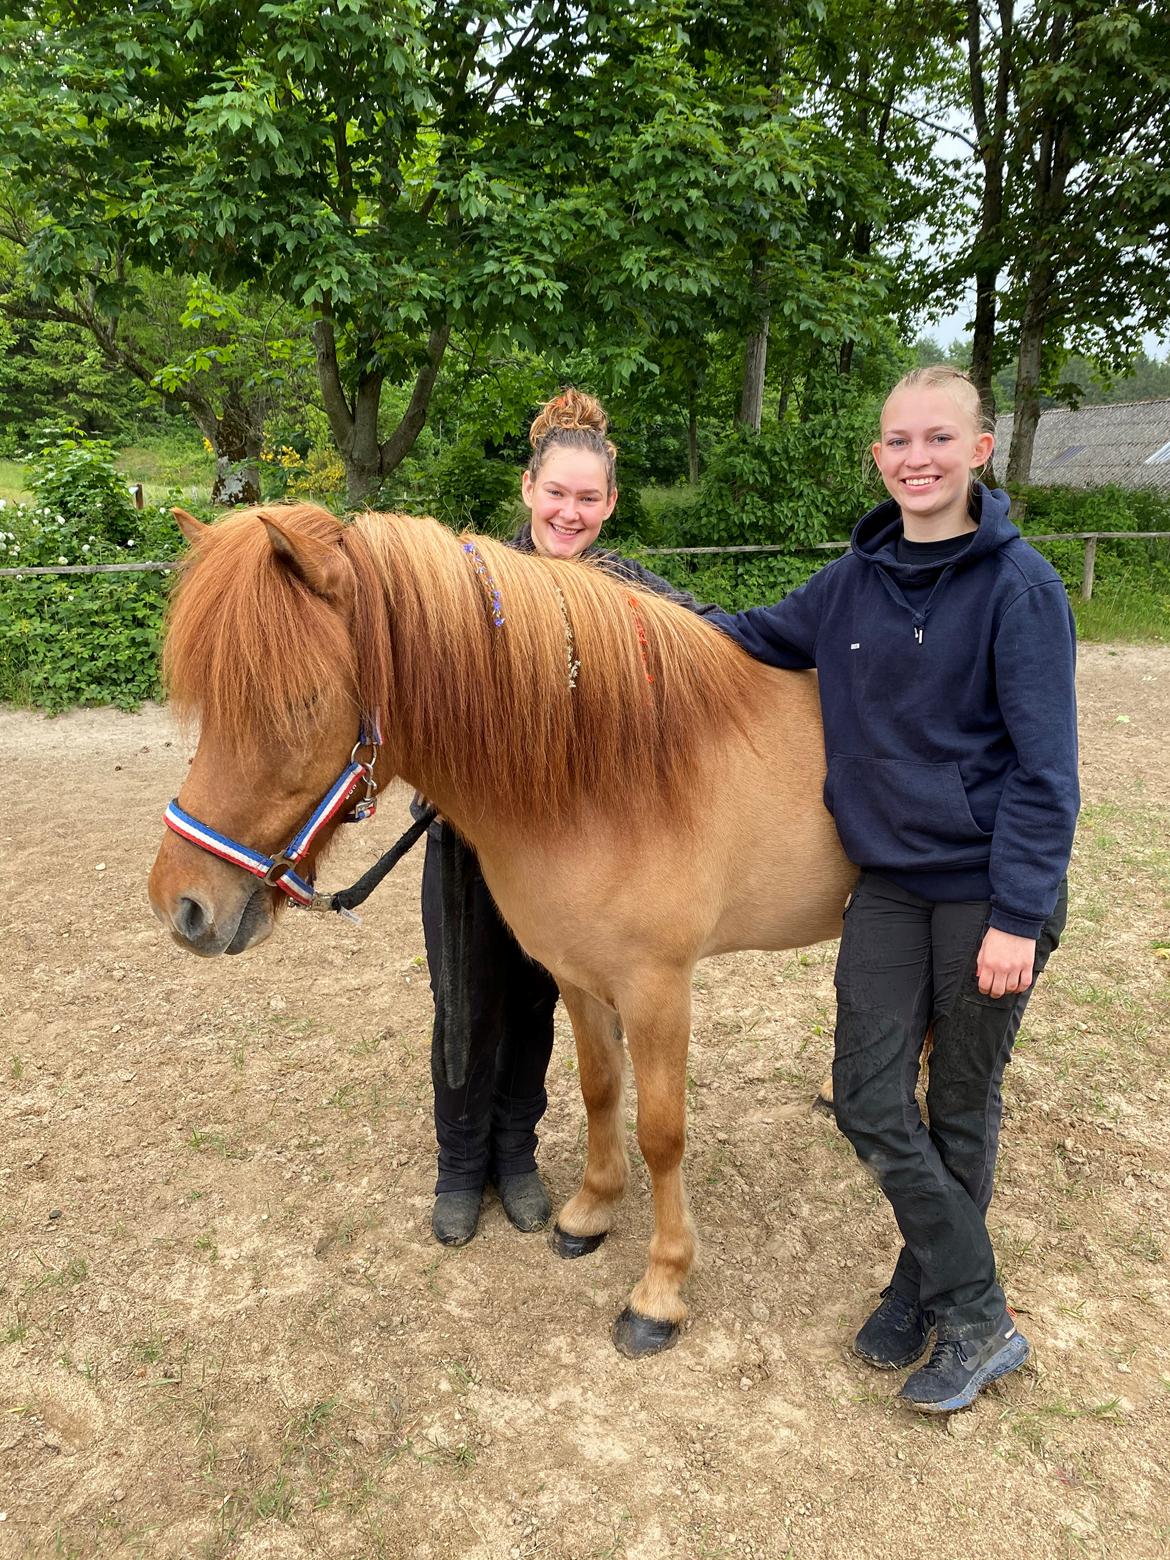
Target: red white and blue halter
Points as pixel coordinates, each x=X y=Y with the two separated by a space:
x=278 y=871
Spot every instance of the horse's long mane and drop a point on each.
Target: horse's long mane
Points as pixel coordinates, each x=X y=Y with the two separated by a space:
x=487 y=704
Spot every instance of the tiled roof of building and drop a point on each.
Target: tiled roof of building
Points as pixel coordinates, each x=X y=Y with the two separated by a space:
x=1095 y=446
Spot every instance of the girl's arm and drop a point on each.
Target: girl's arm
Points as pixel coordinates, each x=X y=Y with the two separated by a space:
x=784 y=634
x=1035 y=664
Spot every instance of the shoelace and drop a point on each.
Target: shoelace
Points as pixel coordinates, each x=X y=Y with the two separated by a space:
x=905 y=1311
x=944 y=1353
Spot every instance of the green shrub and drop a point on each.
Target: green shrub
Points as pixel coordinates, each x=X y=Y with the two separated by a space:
x=74 y=478
x=80 y=639
x=464 y=487
x=1143 y=564
x=736 y=582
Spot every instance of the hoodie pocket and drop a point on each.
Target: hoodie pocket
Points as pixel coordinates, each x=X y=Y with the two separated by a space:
x=902 y=815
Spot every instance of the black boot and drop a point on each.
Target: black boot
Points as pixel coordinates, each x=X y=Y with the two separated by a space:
x=525 y=1200
x=455 y=1216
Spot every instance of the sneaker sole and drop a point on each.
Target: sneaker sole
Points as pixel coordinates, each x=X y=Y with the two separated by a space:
x=899 y=1364
x=1013 y=1354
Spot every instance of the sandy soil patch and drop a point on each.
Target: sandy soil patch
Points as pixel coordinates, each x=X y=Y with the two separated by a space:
x=225 y=1329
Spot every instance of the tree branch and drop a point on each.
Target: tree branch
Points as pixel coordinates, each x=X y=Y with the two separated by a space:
x=337 y=408
x=401 y=441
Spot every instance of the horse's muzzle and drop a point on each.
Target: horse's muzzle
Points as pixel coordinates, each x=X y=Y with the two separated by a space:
x=198 y=929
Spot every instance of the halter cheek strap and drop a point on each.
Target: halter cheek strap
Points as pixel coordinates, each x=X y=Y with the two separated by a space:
x=278 y=871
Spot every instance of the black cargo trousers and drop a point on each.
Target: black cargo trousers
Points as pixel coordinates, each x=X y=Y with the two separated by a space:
x=487 y=1126
x=907 y=966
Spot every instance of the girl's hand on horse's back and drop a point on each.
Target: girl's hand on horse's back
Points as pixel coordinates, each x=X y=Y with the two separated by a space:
x=1005 y=963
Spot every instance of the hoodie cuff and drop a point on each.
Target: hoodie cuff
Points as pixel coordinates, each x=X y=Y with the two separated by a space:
x=1015 y=925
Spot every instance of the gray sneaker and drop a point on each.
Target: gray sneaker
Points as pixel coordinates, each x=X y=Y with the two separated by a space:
x=959 y=1369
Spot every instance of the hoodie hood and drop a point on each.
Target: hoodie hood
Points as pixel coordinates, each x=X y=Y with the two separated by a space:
x=876 y=536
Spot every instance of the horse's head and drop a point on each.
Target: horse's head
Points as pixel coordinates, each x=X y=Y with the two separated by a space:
x=260 y=648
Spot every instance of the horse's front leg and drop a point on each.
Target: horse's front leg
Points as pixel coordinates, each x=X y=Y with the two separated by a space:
x=585 y=1220
x=658 y=1029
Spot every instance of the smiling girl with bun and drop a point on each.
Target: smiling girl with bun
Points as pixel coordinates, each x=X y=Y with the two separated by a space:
x=486 y=1128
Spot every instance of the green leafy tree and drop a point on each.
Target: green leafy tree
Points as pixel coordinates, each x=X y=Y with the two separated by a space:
x=1071 y=105
x=410 y=174
x=229 y=358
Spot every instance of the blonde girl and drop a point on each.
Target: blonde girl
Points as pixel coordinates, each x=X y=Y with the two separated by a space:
x=944 y=647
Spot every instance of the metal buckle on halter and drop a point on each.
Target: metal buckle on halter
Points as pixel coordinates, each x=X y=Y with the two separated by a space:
x=366 y=807
x=280 y=865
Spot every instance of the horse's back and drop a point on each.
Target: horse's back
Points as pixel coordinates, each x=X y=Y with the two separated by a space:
x=754 y=863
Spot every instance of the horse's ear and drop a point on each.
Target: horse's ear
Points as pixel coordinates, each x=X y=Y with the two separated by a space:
x=318 y=564
x=194 y=530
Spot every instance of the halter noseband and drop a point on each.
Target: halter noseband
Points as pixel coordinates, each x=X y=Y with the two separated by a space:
x=277 y=871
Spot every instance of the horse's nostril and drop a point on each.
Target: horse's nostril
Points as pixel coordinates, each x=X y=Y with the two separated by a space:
x=191 y=919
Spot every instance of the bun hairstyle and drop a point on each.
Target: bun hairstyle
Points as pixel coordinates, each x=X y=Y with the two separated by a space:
x=572 y=421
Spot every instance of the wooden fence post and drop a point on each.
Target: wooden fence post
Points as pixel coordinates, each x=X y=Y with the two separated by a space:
x=1090 y=565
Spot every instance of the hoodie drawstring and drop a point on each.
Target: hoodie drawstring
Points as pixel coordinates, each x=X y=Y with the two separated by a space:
x=918 y=618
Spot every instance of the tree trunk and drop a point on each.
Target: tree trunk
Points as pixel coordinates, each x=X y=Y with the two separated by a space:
x=362 y=456
x=236 y=442
x=783 y=399
x=988 y=249
x=1051 y=164
x=755 y=362
x=755 y=357
x=692 y=445
x=355 y=427
x=1027 y=410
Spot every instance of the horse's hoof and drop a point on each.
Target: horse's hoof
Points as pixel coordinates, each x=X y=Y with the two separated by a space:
x=636 y=1336
x=566 y=1245
x=825 y=1106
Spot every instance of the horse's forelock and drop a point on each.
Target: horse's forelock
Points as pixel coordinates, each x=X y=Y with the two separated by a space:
x=249 y=648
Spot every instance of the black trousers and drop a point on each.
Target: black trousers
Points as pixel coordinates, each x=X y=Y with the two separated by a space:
x=488 y=1127
x=908 y=965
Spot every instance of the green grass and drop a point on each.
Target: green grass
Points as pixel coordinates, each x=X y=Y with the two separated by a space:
x=1126 y=612
x=12 y=482
x=169 y=463
x=165 y=463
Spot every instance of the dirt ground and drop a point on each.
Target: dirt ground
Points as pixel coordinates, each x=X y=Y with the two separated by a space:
x=225 y=1329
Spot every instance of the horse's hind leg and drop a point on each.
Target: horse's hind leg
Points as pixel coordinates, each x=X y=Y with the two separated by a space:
x=658 y=1031
x=584 y=1221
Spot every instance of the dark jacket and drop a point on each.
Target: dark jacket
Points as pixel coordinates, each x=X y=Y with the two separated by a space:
x=628 y=569
x=949 y=709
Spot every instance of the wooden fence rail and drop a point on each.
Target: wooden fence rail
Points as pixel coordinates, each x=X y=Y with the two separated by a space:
x=1090 y=539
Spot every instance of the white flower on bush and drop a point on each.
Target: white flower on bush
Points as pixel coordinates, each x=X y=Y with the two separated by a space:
x=62 y=560
x=85 y=546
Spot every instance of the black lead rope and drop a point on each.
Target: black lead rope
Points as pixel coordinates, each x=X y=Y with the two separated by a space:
x=451 y=1036
x=349 y=898
x=451 y=1040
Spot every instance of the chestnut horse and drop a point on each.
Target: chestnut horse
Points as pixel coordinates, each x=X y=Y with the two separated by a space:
x=639 y=792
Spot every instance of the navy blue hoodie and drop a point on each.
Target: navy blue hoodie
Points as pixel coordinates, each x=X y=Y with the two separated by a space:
x=949 y=710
